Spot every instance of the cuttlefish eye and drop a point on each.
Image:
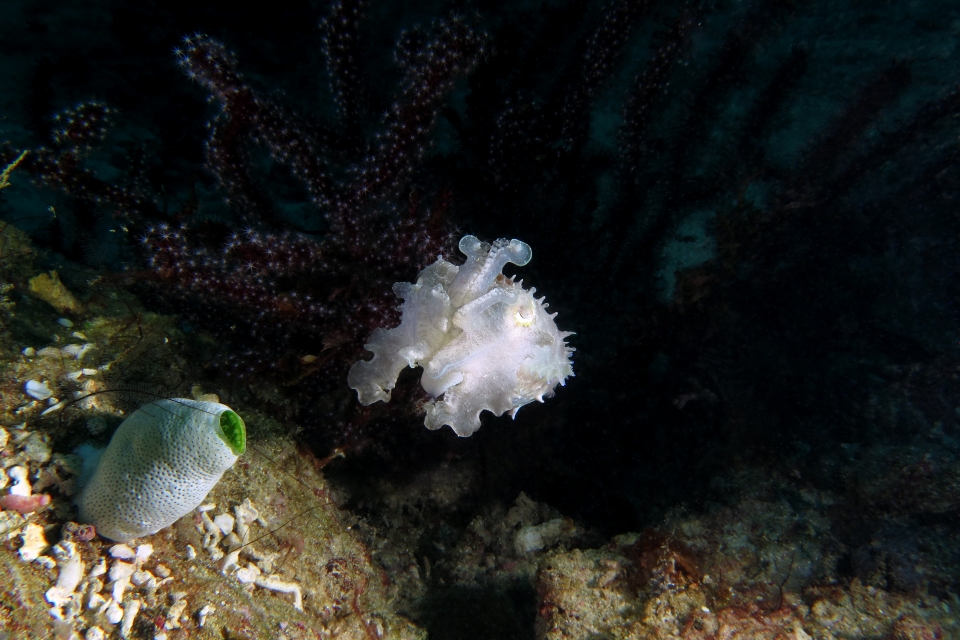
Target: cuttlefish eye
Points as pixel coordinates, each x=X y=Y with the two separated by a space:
x=525 y=316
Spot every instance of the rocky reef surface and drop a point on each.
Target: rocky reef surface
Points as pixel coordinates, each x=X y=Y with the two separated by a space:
x=295 y=570
x=279 y=550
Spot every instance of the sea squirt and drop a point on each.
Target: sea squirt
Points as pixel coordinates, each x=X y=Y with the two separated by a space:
x=484 y=342
x=161 y=463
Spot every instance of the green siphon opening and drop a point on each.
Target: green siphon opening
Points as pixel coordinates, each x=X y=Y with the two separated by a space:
x=234 y=431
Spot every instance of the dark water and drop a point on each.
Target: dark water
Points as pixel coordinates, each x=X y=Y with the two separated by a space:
x=747 y=212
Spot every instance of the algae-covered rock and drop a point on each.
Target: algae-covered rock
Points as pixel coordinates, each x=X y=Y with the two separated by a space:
x=761 y=568
x=49 y=288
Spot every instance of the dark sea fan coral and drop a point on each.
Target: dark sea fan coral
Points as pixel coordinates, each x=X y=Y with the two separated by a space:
x=294 y=280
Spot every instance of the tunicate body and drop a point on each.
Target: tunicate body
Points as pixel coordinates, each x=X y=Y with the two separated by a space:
x=160 y=464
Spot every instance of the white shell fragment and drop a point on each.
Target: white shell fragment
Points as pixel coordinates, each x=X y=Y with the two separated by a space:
x=224 y=522
x=123 y=552
x=37 y=390
x=144 y=551
x=78 y=351
x=204 y=612
x=159 y=466
x=484 y=342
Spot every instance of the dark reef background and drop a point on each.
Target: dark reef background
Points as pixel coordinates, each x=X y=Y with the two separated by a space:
x=748 y=212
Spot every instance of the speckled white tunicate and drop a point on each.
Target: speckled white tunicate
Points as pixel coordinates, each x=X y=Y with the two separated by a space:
x=160 y=465
x=484 y=341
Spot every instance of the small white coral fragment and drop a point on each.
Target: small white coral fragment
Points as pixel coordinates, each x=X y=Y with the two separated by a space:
x=248 y=574
x=78 y=351
x=274 y=583
x=130 y=612
x=246 y=514
x=485 y=343
x=95 y=600
x=21 y=486
x=34 y=542
x=112 y=612
x=143 y=578
x=120 y=575
x=71 y=572
x=100 y=569
x=230 y=563
x=232 y=541
x=175 y=611
x=204 y=613
x=144 y=551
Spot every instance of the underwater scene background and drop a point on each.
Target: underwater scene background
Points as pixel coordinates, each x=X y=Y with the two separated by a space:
x=747 y=212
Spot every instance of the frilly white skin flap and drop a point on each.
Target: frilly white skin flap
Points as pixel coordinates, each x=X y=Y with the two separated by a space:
x=484 y=342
